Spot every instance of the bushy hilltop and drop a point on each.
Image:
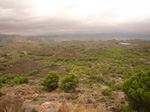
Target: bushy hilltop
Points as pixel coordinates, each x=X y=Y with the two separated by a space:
x=96 y=70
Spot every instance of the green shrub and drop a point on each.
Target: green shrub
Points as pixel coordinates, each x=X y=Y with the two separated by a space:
x=117 y=86
x=20 y=80
x=125 y=108
x=95 y=78
x=50 y=82
x=7 y=79
x=137 y=90
x=69 y=82
x=69 y=68
x=13 y=76
x=111 y=82
x=16 y=80
x=2 y=68
x=99 y=85
x=90 y=85
x=45 y=54
x=4 y=54
x=107 y=92
x=1 y=84
x=114 y=75
x=34 y=72
x=23 y=79
x=4 y=79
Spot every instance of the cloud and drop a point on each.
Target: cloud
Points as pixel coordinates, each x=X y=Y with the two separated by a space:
x=32 y=17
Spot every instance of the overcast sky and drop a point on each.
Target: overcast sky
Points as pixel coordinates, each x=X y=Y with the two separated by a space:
x=33 y=17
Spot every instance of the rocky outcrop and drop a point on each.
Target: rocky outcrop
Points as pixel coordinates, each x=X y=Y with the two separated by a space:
x=66 y=107
x=49 y=107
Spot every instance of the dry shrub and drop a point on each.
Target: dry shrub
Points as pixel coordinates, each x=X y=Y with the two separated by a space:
x=30 y=108
x=11 y=104
x=66 y=107
x=69 y=107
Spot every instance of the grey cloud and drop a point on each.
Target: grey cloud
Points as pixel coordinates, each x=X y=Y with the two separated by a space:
x=50 y=26
x=15 y=9
x=18 y=17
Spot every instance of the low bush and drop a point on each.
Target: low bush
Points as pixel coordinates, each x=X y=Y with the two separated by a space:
x=125 y=108
x=1 y=84
x=117 y=86
x=50 y=82
x=95 y=78
x=69 y=82
x=114 y=75
x=34 y=72
x=107 y=92
x=23 y=79
x=99 y=85
x=111 y=82
x=5 y=79
x=69 y=68
x=20 y=80
x=2 y=68
x=90 y=85
x=16 y=80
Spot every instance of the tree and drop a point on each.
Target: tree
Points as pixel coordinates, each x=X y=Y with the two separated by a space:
x=50 y=82
x=137 y=90
x=69 y=82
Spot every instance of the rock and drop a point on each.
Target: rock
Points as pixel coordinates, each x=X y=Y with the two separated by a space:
x=34 y=96
x=30 y=108
x=49 y=107
x=68 y=107
x=28 y=101
x=101 y=107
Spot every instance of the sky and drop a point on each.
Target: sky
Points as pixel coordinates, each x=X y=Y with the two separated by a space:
x=42 y=17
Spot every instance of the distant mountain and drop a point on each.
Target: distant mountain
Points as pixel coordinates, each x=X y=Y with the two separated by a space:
x=98 y=36
x=8 y=39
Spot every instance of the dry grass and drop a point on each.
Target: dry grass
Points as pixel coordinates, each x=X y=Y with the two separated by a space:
x=11 y=104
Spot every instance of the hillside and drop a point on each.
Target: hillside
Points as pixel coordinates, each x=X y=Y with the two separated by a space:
x=101 y=67
x=12 y=39
x=7 y=39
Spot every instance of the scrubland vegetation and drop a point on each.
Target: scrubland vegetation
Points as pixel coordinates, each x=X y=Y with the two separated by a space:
x=102 y=74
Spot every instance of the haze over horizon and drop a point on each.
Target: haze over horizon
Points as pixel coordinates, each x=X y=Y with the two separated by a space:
x=40 y=17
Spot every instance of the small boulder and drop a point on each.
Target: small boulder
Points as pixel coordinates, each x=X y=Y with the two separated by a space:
x=49 y=107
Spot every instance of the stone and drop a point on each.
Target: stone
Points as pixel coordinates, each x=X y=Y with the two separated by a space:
x=49 y=107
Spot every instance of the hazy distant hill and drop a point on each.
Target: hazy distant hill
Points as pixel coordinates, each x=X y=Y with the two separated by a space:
x=8 y=39
x=97 y=36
